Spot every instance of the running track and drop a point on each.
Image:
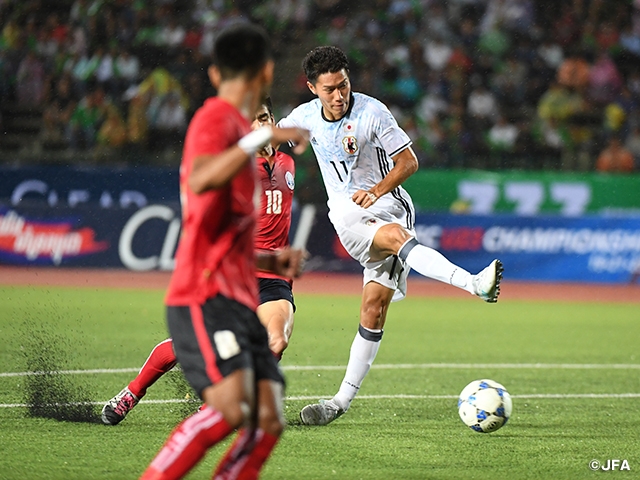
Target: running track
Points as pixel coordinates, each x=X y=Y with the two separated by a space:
x=320 y=283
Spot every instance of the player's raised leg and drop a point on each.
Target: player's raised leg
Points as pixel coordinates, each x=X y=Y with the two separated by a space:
x=160 y=361
x=392 y=239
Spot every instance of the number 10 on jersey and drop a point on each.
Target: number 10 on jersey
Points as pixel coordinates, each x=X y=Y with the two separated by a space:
x=274 y=202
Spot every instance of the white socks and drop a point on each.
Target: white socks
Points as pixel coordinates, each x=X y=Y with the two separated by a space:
x=431 y=263
x=363 y=352
x=427 y=262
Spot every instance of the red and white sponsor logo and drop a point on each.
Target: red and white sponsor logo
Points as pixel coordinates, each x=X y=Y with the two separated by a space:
x=34 y=240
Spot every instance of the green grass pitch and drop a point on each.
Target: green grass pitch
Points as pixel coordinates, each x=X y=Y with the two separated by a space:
x=573 y=370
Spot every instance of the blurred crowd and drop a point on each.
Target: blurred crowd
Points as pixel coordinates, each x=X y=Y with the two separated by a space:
x=476 y=83
x=504 y=83
x=123 y=74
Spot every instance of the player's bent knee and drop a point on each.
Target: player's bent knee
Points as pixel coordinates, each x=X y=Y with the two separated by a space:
x=278 y=344
x=236 y=414
x=390 y=238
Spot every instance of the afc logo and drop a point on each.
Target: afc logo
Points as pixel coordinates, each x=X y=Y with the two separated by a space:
x=350 y=144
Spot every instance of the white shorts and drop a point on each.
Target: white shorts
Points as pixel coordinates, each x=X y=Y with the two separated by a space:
x=356 y=230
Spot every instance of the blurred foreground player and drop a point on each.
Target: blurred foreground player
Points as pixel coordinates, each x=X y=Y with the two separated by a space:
x=213 y=295
x=276 y=172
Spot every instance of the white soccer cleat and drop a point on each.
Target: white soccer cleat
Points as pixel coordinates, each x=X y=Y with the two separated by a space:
x=486 y=284
x=117 y=408
x=321 y=413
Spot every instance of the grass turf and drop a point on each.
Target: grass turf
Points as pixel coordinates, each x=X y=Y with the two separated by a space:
x=442 y=344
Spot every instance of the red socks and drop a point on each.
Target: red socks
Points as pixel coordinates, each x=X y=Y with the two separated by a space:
x=246 y=457
x=187 y=445
x=160 y=361
x=189 y=442
x=194 y=436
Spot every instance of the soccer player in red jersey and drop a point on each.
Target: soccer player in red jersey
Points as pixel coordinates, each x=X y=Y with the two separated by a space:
x=276 y=173
x=213 y=295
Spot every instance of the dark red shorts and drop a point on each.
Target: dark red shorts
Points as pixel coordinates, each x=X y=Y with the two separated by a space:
x=213 y=340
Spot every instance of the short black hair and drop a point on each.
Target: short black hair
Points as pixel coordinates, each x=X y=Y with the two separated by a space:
x=321 y=60
x=269 y=104
x=241 y=49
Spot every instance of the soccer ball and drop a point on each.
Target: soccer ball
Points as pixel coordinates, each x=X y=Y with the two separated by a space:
x=484 y=406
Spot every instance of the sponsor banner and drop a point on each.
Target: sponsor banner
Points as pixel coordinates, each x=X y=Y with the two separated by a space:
x=107 y=188
x=470 y=191
x=586 y=249
x=143 y=239
x=525 y=193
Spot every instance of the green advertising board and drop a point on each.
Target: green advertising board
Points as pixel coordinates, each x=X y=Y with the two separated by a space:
x=525 y=193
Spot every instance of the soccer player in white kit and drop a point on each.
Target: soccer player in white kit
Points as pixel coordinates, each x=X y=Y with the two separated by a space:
x=364 y=156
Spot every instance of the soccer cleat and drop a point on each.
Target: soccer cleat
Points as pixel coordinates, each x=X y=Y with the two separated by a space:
x=486 y=284
x=117 y=408
x=321 y=413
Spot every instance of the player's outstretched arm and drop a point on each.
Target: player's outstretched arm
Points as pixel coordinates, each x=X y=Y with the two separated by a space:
x=406 y=164
x=298 y=136
x=211 y=172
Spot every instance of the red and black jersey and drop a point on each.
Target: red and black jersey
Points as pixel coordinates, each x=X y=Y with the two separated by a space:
x=274 y=214
x=216 y=250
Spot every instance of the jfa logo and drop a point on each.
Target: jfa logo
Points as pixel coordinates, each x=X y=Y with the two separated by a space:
x=350 y=144
x=607 y=465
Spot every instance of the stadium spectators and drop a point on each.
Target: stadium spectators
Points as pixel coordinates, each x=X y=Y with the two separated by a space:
x=86 y=120
x=564 y=73
x=30 y=81
x=127 y=69
x=615 y=158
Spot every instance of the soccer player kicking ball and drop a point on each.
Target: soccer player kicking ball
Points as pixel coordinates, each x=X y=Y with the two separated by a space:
x=276 y=173
x=213 y=294
x=364 y=157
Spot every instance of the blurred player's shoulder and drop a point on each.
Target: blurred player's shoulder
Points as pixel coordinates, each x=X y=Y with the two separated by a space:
x=215 y=111
x=215 y=106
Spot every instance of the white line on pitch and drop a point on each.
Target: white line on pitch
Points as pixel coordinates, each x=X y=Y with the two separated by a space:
x=541 y=396
x=71 y=372
x=393 y=366
x=399 y=366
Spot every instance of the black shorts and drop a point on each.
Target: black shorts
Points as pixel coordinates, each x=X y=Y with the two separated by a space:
x=275 y=289
x=213 y=340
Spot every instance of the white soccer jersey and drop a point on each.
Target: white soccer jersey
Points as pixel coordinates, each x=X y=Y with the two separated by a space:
x=355 y=152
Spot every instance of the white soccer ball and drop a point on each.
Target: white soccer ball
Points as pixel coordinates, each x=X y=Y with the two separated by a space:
x=484 y=406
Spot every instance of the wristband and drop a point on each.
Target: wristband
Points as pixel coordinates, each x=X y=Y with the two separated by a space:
x=254 y=141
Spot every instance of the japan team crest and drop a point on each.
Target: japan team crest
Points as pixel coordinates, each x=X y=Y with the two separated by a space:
x=350 y=144
x=289 y=179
